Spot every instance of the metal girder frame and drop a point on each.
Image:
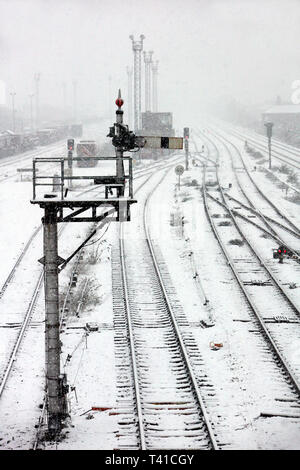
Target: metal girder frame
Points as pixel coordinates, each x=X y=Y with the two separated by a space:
x=71 y=217
x=62 y=177
x=122 y=207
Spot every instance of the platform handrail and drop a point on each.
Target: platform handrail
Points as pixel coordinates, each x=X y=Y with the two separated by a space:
x=63 y=176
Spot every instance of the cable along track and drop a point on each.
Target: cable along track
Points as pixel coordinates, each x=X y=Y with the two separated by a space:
x=245 y=263
x=171 y=412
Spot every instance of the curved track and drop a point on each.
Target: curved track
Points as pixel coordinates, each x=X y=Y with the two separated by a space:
x=171 y=410
x=245 y=263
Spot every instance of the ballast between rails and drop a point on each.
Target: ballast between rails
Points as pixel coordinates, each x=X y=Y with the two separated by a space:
x=259 y=190
x=264 y=218
x=142 y=173
x=259 y=258
x=176 y=330
x=230 y=262
x=275 y=153
x=179 y=336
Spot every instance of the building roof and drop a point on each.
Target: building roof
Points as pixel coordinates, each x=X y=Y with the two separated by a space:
x=283 y=109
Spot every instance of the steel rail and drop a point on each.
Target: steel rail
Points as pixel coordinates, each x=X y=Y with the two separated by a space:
x=269 y=271
x=175 y=325
x=256 y=210
x=258 y=188
x=253 y=307
x=42 y=416
x=25 y=323
x=18 y=261
x=284 y=158
x=265 y=218
x=261 y=137
x=130 y=330
x=176 y=329
x=270 y=219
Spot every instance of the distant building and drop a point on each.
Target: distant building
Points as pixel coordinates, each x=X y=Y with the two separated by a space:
x=286 y=119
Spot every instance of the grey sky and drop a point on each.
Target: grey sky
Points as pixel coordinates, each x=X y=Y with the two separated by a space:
x=206 y=48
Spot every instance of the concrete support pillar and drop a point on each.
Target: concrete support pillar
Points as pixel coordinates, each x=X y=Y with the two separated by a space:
x=54 y=399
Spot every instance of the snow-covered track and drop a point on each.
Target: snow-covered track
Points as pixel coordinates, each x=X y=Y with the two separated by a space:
x=142 y=173
x=25 y=323
x=171 y=411
x=278 y=150
x=274 y=313
x=255 y=187
x=18 y=261
x=9 y=166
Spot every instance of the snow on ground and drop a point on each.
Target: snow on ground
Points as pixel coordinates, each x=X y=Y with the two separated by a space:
x=241 y=391
x=238 y=371
x=18 y=220
x=91 y=368
x=272 y=191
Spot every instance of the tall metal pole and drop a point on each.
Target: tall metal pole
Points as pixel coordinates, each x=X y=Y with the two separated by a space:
x=13 y=110
x=154 y=86
x=186 y=147
x=129 y=75
x=269 y=126
x=148 y=61
x=54 y=399
x=119 y=150
x=37 y=99
x=137 y=47
x=31 y=111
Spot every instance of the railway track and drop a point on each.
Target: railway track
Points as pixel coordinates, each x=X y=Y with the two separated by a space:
x=159 y=381
x=274 y=313
x=41 y=421
x=142 y=173
x=257 y=193
x=9 y=166
x=280 y=226
x=260 y=143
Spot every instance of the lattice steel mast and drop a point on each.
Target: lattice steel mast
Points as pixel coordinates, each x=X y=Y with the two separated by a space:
x=154 y=86
x=137 y=47
x=148 y=63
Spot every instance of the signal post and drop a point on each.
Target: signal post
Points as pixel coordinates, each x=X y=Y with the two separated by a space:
x=54 y=205
x=186 y=135
x=119 y=149
x=269 y=126
x=55 y=399
x=71 y=146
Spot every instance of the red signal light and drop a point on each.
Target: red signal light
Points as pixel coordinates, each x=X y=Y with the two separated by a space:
x=279 y=251
x=70 y=144
x=119 y=102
